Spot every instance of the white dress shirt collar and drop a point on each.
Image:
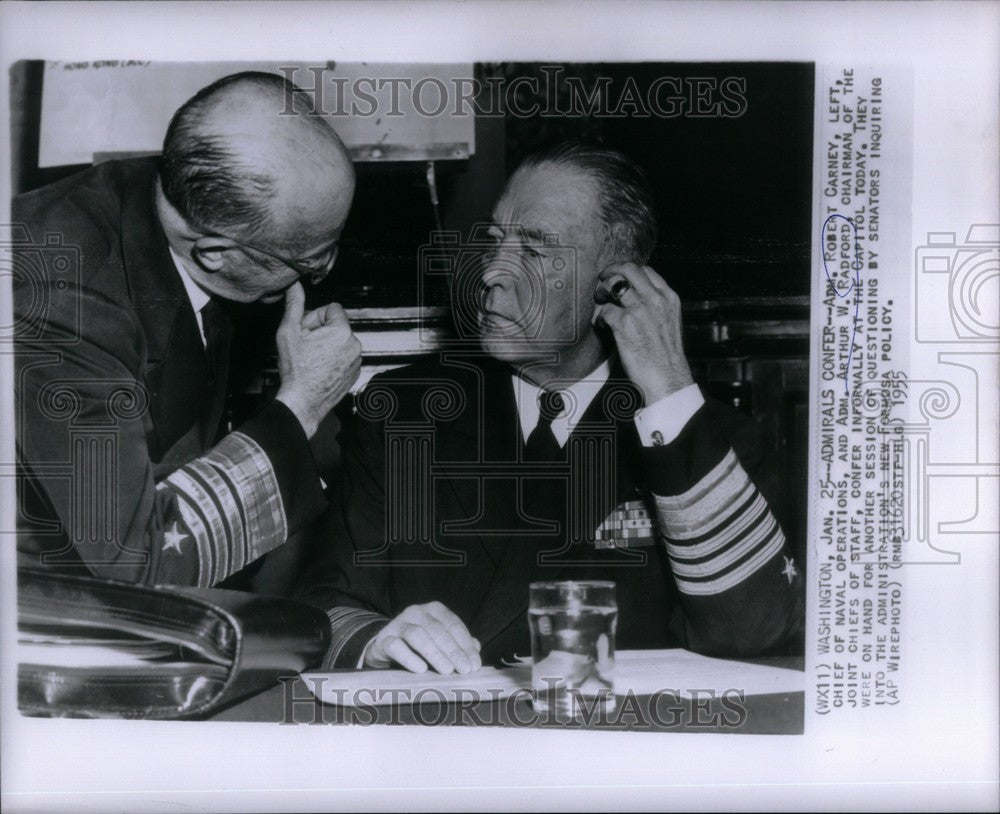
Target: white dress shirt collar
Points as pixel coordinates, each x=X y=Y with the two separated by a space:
x=576 y=397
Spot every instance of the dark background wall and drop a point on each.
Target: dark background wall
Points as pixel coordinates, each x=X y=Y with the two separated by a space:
x=733 y=194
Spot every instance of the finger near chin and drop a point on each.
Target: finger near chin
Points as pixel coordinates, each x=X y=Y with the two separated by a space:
x=294 y=300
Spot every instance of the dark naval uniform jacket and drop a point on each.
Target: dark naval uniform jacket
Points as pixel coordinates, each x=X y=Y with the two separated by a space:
x=123 y=473
x=438 y=503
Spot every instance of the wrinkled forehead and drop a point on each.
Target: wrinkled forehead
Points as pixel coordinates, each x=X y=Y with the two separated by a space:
x=551 y=199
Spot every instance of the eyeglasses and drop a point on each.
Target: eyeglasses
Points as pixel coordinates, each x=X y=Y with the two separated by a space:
x=314 y=270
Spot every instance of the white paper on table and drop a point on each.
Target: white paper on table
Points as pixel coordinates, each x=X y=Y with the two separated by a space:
x=644 y=672
x=641 y=672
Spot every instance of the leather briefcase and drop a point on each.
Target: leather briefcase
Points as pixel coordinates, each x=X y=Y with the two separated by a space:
x=99 y=648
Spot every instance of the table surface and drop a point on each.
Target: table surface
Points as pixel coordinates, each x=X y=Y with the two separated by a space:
x=290 y=701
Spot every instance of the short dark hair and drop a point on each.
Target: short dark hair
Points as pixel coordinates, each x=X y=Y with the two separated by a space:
x=203 y=178
x=626 y=199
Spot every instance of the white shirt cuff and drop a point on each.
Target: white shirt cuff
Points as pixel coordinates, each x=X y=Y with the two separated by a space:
x=364 y=653
x=662 y=421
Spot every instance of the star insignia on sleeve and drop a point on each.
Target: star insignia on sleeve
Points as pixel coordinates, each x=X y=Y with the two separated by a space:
x=790 y=571
x=173 y=538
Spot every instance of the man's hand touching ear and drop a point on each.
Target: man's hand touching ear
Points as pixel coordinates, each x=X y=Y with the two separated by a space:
x=645 y=320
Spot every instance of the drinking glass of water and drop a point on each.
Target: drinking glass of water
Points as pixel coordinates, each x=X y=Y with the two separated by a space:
x=572 y=645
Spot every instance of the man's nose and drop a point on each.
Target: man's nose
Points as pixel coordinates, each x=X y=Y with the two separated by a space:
x=493 y=283
x=496 y=284
x=497 y=271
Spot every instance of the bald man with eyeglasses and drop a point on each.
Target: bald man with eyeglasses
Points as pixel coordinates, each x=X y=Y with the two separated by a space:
x=122 y=375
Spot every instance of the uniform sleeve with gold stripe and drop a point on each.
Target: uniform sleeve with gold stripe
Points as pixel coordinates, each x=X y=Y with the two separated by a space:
x=92 y=469
x=230 y=506
x=739 y=585
x=352 y=630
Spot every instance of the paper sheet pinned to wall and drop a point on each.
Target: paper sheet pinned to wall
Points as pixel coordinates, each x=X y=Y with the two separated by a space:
x=380 y=110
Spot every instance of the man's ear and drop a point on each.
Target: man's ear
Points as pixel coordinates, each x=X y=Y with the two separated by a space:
x=210 y=251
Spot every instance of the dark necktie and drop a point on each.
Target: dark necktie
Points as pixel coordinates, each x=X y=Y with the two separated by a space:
x=541 y=444
x=544 y=496
x=218 y=337
x=218 y=329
